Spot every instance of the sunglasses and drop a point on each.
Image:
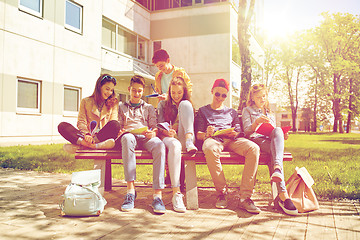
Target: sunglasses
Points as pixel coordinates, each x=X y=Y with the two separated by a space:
x=108 y=78
x=256 y=86
x=222 y=95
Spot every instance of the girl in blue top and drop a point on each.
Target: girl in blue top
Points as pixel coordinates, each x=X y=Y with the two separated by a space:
x=256 y=113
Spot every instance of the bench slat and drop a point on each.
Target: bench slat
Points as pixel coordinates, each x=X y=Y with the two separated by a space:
x=199 y=158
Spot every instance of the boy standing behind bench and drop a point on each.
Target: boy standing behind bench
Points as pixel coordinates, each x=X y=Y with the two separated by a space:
x=136 y=114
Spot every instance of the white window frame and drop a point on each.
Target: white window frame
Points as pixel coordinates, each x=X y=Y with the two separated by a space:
x=71 y=113
x=69 y=27
x=29 y=110
x=31 y=11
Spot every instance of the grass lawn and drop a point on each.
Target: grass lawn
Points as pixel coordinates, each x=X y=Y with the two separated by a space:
x=333 y=160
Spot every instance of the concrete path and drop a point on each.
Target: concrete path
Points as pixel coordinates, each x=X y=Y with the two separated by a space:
x=29 y=210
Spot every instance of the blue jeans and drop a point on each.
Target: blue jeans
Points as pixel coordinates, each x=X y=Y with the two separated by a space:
x=130 y=142
x=174 y=145
x=274 y=145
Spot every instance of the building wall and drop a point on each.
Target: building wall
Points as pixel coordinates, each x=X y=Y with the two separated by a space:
x=197 y=39
x=42 y=49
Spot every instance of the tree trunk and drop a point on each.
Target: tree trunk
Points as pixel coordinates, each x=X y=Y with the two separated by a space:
x=348 y=124
x=314 y=127
x=244 y=47
x=336 y=105
x=293 y=116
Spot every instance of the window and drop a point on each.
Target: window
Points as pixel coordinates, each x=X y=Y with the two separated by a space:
x=142 y=49
x=108 y=34
x=28 y=96
x=161 y=4
x=33 y=7
x=126 y=42
x=284 y=116
x=145 y=3
x=157 y=45
x=236 y=52
x=71 y=100
x=73 y=16
x=185 y=3
x=118 y=38
x=122 y=97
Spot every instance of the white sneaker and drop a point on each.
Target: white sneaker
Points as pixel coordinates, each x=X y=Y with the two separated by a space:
x=178 y=203
x=107 y=144
x=71 y=148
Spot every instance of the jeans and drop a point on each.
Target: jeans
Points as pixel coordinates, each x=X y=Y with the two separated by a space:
x=70 y=133
x=242 y=146
x=186 y=122
x=130 y=142
x=174 y=146
x=274 y=145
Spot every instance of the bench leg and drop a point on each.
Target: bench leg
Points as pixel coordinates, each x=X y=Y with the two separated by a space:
x=191 y=186
x=105 y=167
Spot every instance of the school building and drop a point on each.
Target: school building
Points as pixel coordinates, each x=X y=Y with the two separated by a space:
x=53 y=51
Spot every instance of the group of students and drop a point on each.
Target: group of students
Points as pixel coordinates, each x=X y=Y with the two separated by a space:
x=118 y=127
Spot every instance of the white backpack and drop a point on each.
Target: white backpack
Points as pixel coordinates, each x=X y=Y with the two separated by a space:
x=82 y=196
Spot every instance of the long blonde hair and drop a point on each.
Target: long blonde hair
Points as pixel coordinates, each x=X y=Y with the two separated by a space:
x=254 y=89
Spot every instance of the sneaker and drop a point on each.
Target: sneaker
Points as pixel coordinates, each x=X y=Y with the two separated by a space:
x=158 y=206
x=249 y=206
x=71 y=148
x=190 y=147
x=178 y=203
x=277 y=176
x=107 y=144
x=221 y=201
x=128 y=203
x=287 y=206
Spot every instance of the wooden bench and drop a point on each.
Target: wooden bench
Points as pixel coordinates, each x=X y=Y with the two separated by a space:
x=103 y=160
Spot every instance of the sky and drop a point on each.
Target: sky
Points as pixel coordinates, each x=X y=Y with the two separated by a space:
x=282 y=17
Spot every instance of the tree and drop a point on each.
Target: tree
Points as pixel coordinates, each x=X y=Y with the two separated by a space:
x=244 y=17
x=291 y=71
x=337 y=35
x=315 y=59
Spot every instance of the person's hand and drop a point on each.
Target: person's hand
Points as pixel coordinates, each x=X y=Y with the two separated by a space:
x=209 y=131
x=171 y=133
x=89 y=139
x=149 y=134
x=121 y=132
x=262 y=119
x=231 y=134
x=162 y=96
x=286 y=136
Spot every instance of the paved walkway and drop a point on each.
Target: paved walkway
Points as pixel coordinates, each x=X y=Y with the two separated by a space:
x=29 y=210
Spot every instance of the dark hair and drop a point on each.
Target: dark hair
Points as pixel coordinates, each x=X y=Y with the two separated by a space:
x=169 y=112
x=160 y=55
x=137 y=79
x=104 y=78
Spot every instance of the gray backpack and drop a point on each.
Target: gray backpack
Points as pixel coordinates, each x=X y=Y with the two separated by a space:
x=82 y=196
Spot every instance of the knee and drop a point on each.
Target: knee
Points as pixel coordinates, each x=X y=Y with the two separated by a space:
x=158 y=144
x=277 y=132
x=115 y=125
x=128 y=141
x=210 y=149
x=185 y=104
x=254 y=149
x=175 y=145
x=62 y=126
